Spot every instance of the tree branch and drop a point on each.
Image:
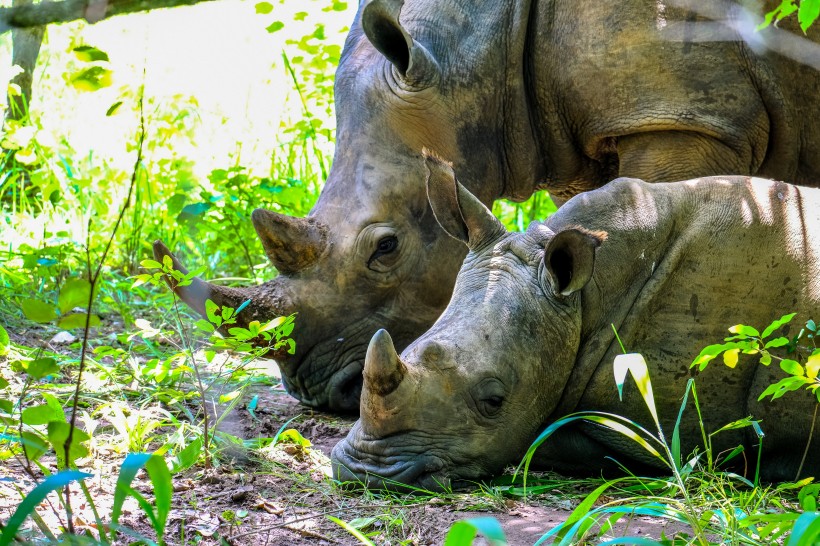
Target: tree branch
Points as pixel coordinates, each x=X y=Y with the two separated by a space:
x=93 y=11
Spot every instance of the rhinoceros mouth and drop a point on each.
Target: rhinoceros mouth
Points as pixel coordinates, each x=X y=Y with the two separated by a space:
x=356 y=470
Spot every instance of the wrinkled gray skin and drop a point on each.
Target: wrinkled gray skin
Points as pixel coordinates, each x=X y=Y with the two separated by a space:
x=527 y=337
x=521 y=96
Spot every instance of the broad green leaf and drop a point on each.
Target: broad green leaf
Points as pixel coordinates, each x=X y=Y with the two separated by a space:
x=151 y=264
x=92 y=79
x=4 y=383
x=57 y=436
x=765 y=358
x=34 y=498
x=5 y=342
x=163 y=491
x=730 y=357
x=709 y=352
x=353 y=531
x=74 y=293
x=188 y=456
x=744 y=330
x=807 y=13
x=813 y=365
x=42 y=367
x=776 y=342
x=34 y=445
x=78 y=320
x=264 y=8
x=210 y=310
x=38 y=311
x=805 y=532
x=39 y=415
x=462 y=533
x=90 y=54
x=113 y=108
x=791 y=367
x=777 y=324
x=225 y=398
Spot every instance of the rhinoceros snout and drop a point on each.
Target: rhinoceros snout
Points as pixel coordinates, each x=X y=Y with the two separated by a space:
x=356 y=471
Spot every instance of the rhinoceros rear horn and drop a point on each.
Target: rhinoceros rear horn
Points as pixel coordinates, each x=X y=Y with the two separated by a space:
x=380 y=22
x=458 y=211
x=383 y=370
x=290 y=243
x=195 y=294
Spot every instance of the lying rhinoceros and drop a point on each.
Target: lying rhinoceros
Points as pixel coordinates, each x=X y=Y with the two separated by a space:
x=528 y=336
x=522 y=96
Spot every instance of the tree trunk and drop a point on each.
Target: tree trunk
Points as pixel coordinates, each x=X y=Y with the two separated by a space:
x=25 y=49
x=46 y=12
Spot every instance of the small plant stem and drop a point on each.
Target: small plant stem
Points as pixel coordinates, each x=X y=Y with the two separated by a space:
x=92 y=280
x=808 y=442
x=200 y=387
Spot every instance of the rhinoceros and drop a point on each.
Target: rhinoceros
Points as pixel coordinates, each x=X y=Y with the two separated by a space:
x=528 y=335
x=522 y=96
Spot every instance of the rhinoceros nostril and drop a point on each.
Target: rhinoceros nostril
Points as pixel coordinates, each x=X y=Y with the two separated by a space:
x=345 y=389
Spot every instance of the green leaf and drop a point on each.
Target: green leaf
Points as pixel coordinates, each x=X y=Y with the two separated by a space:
x=38 y=311
x=264 y=8
x=34 y=498
x=353 y=531
x=776 y=342
x=807 y=13
x=41 y=367
x=78 y=320
x=806 y=530
x=113 y=108
x=462 y=533
x=210 y=310
x=163 y=491
x=730 y=357
x=777 y=324
x=57 y=436
x=813 y=365
x=39 y=415
x=90 y=54
x=275 y=26
x=92 y=79
x=5 y=342
x=3 y=383
x=636 y=365
x=744 y=330
x=765 y=358
x=791 y=367
x=74 y=293
x=151 y=264
x=188 y=456
x=34 y=445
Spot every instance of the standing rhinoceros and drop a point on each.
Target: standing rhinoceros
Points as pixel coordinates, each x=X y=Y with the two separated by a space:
x=528 y=336
x=522 y=96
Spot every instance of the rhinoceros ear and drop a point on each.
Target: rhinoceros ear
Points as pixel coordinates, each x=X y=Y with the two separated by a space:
x=380 y=22
x=458 y=211
x=569 y=259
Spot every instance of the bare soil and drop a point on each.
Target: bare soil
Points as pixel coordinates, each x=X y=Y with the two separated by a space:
x=282 y=494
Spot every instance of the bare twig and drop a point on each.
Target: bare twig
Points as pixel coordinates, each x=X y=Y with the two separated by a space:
x=47 y=12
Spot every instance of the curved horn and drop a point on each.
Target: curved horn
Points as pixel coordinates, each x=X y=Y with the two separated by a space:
x=383 y=371
x=290 y=243
x=195 y=294
x=458 y=211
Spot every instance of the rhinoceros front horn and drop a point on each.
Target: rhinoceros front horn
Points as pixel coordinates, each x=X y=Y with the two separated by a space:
x=195 y=294
x=290 y=243
x=383 y=370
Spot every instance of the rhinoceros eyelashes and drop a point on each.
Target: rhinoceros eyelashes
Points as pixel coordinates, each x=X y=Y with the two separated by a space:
x=386 y=245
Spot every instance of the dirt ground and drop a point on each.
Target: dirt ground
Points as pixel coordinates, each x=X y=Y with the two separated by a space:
x=282 y=495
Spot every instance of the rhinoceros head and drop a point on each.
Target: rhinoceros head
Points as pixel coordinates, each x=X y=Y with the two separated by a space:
x=370 y=254
x=468 y=396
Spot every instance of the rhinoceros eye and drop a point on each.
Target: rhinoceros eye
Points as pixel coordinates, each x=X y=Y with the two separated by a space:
x=489 y=397
x=490 y=407
x=385 y=246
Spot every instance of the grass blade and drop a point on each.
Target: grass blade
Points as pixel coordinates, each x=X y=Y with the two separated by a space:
x=462 y=533
x=34 y=498
x=352 y=530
